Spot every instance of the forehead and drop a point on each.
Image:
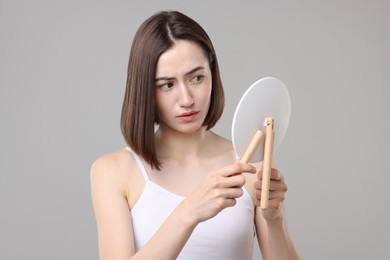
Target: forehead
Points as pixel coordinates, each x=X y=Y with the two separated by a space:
x=182 y=57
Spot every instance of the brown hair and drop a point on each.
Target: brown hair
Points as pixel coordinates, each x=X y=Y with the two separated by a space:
x=155 y=36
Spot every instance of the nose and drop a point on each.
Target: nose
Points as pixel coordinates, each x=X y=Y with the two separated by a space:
x=186 y=98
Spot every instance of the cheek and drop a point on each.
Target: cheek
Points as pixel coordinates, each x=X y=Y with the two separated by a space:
x=207 y=95
x=163 y=105
x=158 y=105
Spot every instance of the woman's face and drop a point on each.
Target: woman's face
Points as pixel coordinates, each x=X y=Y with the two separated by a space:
x=183 y=87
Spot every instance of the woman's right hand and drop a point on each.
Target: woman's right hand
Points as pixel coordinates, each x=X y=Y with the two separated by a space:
x=217 y=191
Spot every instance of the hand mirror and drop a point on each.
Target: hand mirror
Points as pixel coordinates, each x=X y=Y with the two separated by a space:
x=266 y=101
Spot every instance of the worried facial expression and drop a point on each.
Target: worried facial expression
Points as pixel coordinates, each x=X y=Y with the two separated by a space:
x=183 y=87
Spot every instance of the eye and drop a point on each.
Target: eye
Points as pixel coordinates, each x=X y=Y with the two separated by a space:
x=166 y=86
x=197 y=79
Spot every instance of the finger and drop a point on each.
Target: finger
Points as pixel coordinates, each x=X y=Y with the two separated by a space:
x=272 y=194
x=258 y=195
x=233 y=193
x=275 y=204
x=222 y=203
x=230 y=203
x=273 y=186
x=275 y=174
x=226 y=194
x=258 y=185
x=277 y=195
x=237 y=168
x=275 y=199
x=277 y=186
x=233 y=181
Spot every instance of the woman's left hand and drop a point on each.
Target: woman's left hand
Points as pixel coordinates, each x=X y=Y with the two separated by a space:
x=277 y=191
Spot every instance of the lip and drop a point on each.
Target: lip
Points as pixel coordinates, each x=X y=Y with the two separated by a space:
x=188 y=116
x=190 y=113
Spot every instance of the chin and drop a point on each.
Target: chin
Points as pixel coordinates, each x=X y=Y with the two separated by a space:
x=186 y=128
x=190 y=129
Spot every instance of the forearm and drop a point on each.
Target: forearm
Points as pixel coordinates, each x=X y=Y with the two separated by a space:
x=280 y=243
x=170 y=238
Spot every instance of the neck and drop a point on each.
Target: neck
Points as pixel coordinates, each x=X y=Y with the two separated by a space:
x=182 y=147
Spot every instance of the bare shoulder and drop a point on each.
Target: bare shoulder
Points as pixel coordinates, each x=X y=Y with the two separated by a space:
x=116 y=175
x=112 y=167
x=112 y=160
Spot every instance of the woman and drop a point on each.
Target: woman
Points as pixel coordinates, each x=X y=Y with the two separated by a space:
x=179 y=192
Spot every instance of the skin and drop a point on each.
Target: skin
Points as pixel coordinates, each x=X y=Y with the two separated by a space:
x=197 y=164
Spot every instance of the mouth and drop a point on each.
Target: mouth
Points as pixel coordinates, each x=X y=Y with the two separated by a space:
x=188 y=116
x=188 y=113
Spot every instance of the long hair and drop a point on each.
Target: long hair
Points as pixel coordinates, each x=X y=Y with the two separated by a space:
x=155 y=36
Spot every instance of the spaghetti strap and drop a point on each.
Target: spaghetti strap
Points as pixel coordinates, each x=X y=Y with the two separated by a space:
x=140 y=163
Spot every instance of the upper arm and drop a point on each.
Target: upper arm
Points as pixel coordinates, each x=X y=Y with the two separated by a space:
x=111 y=209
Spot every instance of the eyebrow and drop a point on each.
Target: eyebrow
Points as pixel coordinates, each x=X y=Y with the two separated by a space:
x=186 y=74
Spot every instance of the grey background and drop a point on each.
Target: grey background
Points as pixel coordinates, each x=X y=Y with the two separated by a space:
x=63 y=68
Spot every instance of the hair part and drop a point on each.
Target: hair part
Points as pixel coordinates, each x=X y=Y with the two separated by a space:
x=155 y=36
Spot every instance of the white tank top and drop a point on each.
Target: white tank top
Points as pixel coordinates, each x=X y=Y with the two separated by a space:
x=229 y=235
